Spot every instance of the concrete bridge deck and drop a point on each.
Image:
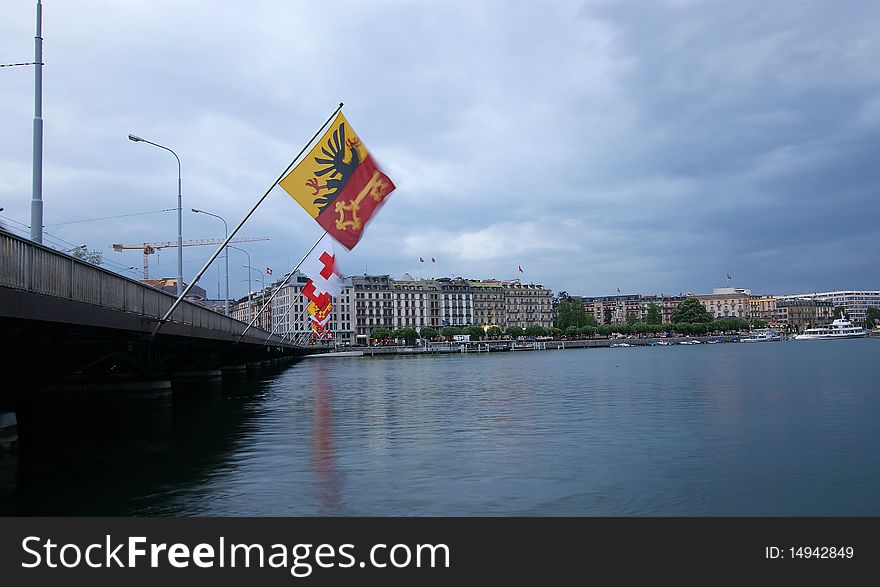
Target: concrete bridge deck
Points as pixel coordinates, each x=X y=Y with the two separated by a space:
x=65 y=320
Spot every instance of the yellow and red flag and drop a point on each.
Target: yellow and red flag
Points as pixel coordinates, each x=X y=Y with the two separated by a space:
x=339 y=184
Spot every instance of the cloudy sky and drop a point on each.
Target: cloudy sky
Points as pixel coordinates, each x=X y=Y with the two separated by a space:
x=653 y=147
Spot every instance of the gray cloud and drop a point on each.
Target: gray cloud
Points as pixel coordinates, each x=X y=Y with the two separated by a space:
x=649 y=146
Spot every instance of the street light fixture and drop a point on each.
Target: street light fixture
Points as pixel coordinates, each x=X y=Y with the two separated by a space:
x=138 y=139
x=226 y=227
x=250 y=309
x=262 y=293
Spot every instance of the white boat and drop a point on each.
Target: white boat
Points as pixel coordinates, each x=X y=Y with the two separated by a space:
x=762 y=336
x=840 y=328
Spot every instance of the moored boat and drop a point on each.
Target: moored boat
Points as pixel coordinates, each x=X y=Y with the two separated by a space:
x=839 y=329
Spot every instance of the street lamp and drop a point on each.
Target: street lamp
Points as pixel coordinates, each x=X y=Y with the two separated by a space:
x=226 y=227
x=138 y=139
x=263 y=281
x=249 y=278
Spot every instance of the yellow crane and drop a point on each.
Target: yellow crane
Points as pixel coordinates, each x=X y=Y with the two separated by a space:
x=150 y=248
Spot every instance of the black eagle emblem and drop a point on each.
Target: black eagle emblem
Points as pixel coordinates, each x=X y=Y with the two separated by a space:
x=334 y=167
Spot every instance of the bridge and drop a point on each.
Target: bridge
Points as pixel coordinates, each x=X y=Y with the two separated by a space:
x=69 y=327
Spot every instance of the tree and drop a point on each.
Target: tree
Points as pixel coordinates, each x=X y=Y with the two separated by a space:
x=428 y=333
x=759 y=324
x=450 y=331
x=573 y=331
x=872 y=318
x=605 y=329
x=691 y=311
x=494 y=331
x=839 y=312
x=654 y=315
x=589 y=331
x=607 y=315
x=476 y=332
x=571 y=313
x=633 y=318
x=514 y=331
x=381 y=333
x=535 y=330
x=84 y=254
x=555 y=332
x=406 y=333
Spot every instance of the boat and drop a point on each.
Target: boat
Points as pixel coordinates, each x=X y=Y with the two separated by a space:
x=840 y=328
x=763 y=336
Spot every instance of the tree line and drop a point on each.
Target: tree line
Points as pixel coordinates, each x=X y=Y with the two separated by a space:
x=689 y=317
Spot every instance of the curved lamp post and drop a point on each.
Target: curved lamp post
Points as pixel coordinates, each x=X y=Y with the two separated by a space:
x=226 y=227
x=138 y=139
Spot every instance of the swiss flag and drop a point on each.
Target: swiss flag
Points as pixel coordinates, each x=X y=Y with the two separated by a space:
x=268 y=271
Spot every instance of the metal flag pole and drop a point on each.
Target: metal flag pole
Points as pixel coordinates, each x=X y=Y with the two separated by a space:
x=240 y=224
x=278 y=289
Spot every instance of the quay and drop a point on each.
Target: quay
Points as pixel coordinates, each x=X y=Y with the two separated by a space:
x=508 y=345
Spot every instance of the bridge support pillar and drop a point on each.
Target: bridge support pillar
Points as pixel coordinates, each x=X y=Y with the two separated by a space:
x=194 y=377
x=255 y=366
x=233 y=371
x=8 y=431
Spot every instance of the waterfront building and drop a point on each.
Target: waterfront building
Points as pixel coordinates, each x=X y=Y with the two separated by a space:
x=416 y=303
x=373 y=305
x=526 y=304
x=456 y=301
x=667 y=306
x=727 y=302
x=290 y=317
x=612 y=309
x=489 y=306
x=763 y=308
x=796 y=315
x=855 y=302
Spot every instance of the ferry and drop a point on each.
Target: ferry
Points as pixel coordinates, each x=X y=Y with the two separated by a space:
x=840 y=328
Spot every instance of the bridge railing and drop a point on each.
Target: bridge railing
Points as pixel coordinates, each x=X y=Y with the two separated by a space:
x=27 y=266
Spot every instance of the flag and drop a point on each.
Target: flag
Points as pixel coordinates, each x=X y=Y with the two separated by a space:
x=339 y=184
x=320 y=267
x=618 y=290
x=268 y=271
x=520 y=268
x=421 y=260
x=433 y=260
x=728 y=276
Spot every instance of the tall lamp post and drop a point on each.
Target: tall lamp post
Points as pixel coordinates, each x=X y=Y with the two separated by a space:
x=226 y=227
x=262 y=293
x=250 y=316
x=138 y=139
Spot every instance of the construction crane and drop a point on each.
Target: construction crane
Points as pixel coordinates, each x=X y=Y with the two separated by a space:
x=150 y=248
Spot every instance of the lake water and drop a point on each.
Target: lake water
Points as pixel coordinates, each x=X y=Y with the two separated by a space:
x=769 y=429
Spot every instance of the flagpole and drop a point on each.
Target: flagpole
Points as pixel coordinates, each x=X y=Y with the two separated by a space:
x=278 y=289
x=240 y=224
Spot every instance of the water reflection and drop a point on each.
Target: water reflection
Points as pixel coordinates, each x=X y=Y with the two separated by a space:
x=327 y=477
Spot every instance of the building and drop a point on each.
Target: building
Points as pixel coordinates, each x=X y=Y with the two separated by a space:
x=456 y=302
x=527 y=304
x=855 y=302
x=727 y=302
x=796 y=315
x=373 y=305
x=489 y=306
x=290 y=317
x=169 y=285
x=612 y=309
x=416 y=303
x=763 y=308
x=667 y=305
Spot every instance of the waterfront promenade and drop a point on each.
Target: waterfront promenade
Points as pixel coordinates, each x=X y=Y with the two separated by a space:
x=508 y=345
